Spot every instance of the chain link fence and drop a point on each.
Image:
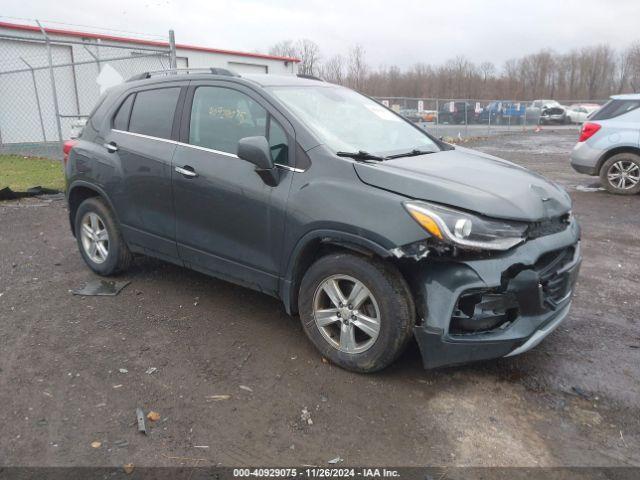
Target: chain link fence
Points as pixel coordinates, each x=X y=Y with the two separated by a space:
x=48 y=86
x=463 y=118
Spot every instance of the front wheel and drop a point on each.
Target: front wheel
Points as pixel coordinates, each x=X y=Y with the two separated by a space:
x=621 y=174
x=357 y=311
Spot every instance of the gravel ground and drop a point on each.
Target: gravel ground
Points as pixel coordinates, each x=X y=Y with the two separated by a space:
x=236 y=375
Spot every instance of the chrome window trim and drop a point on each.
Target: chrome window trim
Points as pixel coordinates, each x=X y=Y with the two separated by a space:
x=198 y=147
x=287 y=167
x=141 y=135
x=205 y=149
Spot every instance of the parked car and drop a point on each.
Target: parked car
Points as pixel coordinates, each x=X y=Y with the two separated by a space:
x=456 y=112
x=362 y=223
x=502 y=113
x=579 y=112
x=554 y=114
x=411 y=114
x=534 y=111
x=609 y=145
x=429 y=116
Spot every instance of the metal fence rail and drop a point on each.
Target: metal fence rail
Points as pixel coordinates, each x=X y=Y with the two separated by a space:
x=48 y=86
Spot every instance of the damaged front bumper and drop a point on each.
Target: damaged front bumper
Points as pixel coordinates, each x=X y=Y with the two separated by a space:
x=497 y=306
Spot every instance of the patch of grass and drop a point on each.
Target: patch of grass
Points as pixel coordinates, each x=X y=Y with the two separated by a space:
x=20 y=173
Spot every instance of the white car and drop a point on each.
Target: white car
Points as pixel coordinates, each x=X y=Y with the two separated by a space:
x=579 y=112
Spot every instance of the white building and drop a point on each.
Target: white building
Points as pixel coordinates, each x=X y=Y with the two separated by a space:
x=81 y=60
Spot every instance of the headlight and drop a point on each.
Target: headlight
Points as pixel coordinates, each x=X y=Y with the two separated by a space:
x=465 y=230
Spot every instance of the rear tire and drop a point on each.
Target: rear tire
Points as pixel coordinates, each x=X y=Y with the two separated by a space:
x=620 y=174
x=384 y=309
x=99 y=238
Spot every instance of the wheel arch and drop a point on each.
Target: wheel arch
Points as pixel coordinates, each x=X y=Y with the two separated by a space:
x=615 y=151
x=77 y=193
x=318 y=244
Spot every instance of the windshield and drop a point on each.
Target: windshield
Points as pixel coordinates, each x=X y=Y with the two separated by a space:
x=349 y=122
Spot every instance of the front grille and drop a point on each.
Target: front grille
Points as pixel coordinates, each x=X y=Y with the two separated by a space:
x=555 y=284
x=548 y=226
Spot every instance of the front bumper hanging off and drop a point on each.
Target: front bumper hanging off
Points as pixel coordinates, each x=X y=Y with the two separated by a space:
x=497 y=306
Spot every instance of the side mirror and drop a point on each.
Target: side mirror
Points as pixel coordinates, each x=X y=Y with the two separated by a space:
x=256 y=150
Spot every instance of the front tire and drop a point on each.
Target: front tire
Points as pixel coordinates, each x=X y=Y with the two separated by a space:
x=99 y=238
x=621 y=174
x=357 y=311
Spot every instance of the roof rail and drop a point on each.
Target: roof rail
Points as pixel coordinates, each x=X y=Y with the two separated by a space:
x=173 y=71
x=309 y=77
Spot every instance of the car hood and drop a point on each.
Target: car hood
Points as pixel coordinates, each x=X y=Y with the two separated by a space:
x=472 y=181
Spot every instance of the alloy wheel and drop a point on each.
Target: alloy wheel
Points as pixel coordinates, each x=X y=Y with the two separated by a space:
x=346 y=313
x=624 y=174
x=95 y=238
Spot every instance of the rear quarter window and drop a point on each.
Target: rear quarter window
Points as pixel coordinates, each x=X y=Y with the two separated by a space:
x=615 y=108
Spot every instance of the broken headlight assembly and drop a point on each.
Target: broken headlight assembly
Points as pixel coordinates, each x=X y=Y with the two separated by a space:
x=466 y=230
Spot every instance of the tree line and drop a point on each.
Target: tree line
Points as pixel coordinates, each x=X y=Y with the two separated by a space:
x=589 y=73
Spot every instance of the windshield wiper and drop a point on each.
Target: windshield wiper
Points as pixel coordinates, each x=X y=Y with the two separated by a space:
x=361 y=155
x=413 y=153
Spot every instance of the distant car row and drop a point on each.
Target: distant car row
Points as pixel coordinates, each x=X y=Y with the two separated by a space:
x=542 y=112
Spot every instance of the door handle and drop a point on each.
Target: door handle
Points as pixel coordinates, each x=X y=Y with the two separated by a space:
x=187 y=171
x=111 y=147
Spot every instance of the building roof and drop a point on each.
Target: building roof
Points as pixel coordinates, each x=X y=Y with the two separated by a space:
x=154 y=43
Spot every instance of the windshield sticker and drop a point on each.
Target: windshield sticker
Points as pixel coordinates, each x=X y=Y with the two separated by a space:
x=382 y=112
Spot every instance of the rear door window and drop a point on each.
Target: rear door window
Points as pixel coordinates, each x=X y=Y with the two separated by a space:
x=153 y=111
x=615 y=108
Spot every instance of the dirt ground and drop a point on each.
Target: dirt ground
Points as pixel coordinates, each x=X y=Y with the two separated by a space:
x=573 y=400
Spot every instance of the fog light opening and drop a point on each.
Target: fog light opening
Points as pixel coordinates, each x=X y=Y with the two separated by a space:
x=483 y=311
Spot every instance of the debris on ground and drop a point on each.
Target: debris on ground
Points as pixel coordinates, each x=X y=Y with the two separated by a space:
x=218 y=398
x=100 y=287
x=201 y=446
x=140 y=416
x=8 y=194
x=338 y=459
x=588 y=188
x=123 y=370
x=153 y=416
x=248 y=389
x=150 y=370
x=305 y=416
x=580 y=392
x=121 y=443
x=96 y=444
x=128 y=468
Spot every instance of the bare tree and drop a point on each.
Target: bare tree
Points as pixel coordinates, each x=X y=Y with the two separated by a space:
x=590 y=73
x=333 y=70
x=286 y=48
x=309 y=54
x=356 y=67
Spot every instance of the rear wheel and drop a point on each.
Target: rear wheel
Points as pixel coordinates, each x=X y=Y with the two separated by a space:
x=621 y=174
x=358 y=312
x=99 y=238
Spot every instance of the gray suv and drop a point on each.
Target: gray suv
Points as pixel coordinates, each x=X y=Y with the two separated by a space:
x=370 y=229
x=609 y=145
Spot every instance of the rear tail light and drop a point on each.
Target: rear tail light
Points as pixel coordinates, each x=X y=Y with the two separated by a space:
x=66 y=148
x=588 y=130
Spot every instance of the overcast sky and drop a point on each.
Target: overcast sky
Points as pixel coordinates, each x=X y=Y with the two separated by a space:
x=393 y=32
